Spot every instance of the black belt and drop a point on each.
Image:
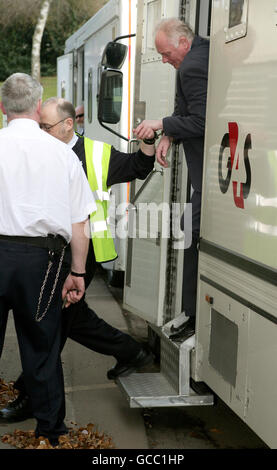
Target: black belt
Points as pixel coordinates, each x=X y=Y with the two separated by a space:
x=53 y=243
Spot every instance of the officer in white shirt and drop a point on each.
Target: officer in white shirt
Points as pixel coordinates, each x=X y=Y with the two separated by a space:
x=45 y=201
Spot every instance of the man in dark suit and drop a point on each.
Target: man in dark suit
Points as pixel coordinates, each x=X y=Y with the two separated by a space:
x=189 y=54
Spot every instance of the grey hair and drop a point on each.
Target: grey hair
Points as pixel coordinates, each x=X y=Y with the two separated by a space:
x=174 y=29
x=20 y=94
x=64 y=108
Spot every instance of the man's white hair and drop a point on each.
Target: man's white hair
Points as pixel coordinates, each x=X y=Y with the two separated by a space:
x=20 y=94
x=174 y=29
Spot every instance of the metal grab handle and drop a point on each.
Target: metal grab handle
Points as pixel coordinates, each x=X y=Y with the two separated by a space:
x=161 y=171
x=131 y=141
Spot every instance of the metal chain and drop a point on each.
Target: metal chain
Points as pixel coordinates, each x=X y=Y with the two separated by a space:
x=38 y=319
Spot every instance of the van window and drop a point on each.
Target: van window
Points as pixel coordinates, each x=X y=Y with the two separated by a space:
x=235 y=12
x=153 y=17
x=63 y=89
x=83 y=75
x=90 y=95
x=110 y=99
x=236 y=19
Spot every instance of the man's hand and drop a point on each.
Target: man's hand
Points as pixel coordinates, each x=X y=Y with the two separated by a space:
x=162 y=150
x=73 y=290
x=146 y=129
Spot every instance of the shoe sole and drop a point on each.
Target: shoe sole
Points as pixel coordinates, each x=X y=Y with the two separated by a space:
x=182 y=338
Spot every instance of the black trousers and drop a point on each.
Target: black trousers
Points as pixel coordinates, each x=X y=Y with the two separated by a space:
x=190 y=269
x=81 y=324
x=22 y=271
x=190 y=273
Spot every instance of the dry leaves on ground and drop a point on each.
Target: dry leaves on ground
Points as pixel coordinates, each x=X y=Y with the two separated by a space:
x=7 y=393
x=81 y=438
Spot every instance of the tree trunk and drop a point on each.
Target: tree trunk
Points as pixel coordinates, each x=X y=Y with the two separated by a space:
x=37 y=37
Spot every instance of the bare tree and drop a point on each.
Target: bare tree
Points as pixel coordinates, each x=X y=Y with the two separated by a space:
x=37 y=37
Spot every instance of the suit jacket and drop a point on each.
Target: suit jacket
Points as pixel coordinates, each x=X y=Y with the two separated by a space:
x=187 y=123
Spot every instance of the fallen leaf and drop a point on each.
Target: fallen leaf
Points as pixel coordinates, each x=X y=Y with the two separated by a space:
x=215 y=430
x=82 y=438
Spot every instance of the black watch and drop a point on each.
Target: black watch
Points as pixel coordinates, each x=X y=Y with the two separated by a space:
x=77 y=274
x=151 y=141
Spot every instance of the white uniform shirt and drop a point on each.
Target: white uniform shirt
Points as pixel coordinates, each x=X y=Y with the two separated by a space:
x=43 y=187
x=73 y=141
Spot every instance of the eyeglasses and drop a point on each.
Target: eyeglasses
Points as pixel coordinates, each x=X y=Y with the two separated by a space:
x=47 y=127
x=79 y=116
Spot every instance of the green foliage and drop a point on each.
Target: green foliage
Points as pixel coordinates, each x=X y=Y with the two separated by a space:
x=15 y=50
x=17 y=23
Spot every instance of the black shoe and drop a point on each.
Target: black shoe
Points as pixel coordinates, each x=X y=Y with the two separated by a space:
x=17 y=410
x=142 y=359
x=186 y=331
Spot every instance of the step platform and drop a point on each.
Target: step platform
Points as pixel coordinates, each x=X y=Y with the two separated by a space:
x=150 y=390
x=172 y=386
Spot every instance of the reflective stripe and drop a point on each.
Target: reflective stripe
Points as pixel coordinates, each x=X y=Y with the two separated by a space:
x=98 y=160
x=100 y=226
x=89 y=162
x=101 y=196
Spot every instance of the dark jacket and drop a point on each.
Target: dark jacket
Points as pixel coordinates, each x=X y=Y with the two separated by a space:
x=123 y=167
x=187 y=123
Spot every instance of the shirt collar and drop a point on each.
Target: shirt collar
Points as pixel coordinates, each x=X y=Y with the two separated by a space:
x=23 y=122
x=73 y=141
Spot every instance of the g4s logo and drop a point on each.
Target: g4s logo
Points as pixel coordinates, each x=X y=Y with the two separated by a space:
x=234 y=165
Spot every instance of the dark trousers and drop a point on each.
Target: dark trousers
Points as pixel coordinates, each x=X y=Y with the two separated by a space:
x=22 y=271
x=190 y=269
x=81 y=324
x=190 y=272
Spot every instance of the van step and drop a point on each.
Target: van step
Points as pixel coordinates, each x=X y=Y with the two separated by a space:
x=151 y=390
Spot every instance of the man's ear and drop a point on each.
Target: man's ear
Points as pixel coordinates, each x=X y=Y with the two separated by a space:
x=39 y=106
x=70 y=123
x=184 y=43
x=2 y=108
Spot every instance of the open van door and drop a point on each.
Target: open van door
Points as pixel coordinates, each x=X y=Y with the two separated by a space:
x=152 y=264
x=154 y=271
x=65 y=77
x=153 y=281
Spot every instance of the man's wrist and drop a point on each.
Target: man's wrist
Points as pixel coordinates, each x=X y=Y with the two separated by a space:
x=73 y=273
x=152 y=140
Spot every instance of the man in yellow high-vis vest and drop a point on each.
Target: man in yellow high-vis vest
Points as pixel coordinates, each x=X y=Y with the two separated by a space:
x=104 y=167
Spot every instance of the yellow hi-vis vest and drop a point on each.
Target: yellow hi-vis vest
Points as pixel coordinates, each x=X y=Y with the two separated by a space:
x=97 y=161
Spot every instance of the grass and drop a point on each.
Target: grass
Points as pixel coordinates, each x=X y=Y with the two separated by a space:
x=49 y=89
